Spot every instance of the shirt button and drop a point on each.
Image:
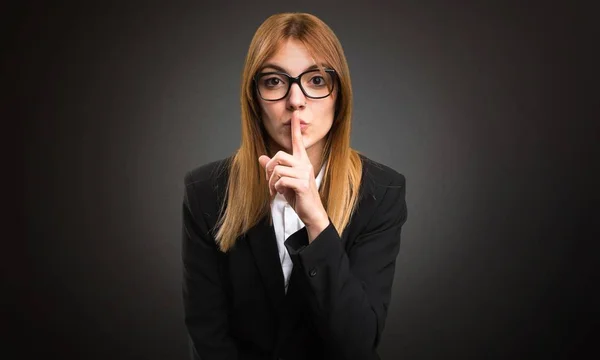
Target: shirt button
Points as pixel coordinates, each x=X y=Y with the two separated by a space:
x=313 y=272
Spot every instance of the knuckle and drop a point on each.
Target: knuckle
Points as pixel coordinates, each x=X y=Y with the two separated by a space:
x=278 y=171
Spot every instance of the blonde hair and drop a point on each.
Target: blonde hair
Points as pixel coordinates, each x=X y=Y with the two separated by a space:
x=247 y=187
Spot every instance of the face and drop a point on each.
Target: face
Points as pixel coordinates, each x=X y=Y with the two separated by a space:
x=293 y=59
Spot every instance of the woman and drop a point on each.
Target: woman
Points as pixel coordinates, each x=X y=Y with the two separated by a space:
x=290 y=244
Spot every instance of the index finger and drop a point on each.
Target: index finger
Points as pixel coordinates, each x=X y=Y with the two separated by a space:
x=298 y=149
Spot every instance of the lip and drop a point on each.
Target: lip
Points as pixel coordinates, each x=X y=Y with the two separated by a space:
x=303 y=125
x=289 y=123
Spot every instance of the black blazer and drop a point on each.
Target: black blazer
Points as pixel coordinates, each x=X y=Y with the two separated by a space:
x=340 y=286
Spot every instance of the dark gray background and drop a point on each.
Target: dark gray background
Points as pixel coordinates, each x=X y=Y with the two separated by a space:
x=477 y=105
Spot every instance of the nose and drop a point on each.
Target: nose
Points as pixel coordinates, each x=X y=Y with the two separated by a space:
x=296 y=99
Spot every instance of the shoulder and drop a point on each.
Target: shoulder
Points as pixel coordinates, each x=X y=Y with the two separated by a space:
x=205 y=187
x=377 y=175
x=382 y=200
x=208 y=175
x=383 y=192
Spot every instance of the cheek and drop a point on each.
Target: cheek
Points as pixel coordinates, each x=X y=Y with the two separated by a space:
x=269 y=113
x=326 y=113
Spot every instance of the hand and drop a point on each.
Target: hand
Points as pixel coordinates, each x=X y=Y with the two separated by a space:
x=294 y=177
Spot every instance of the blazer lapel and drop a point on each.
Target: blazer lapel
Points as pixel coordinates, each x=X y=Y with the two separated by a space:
x=263 y=245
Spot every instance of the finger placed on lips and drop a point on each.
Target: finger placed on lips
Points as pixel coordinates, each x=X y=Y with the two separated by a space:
x=298 y=149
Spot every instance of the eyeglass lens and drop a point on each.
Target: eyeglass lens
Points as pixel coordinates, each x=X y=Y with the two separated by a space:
x=274 y=86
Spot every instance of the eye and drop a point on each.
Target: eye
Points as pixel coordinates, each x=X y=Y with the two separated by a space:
x=273 y=81
x=317 y=80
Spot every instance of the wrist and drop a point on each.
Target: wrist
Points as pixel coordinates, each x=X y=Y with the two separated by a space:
x=317 y=227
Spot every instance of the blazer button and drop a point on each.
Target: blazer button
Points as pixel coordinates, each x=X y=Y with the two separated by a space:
x=313 y=272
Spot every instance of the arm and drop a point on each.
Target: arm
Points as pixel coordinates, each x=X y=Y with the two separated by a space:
x=206 y=316
x=349 y=293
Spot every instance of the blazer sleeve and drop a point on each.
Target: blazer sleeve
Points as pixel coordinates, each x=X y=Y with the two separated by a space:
x=206 y=316
x=349 y=292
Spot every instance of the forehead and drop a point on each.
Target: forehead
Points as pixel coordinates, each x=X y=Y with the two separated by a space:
x=291 y=56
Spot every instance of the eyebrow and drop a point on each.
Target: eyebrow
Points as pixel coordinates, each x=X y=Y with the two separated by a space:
x=279 y=68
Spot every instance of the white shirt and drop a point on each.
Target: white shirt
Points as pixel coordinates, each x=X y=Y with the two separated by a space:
x=286 y=222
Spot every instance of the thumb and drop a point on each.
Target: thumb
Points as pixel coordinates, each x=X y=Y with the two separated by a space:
x=263 y=160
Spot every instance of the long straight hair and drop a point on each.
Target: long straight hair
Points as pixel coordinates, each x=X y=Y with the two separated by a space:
x=247 y=194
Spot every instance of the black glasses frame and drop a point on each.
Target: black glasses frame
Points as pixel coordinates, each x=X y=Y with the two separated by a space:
x=295 y=80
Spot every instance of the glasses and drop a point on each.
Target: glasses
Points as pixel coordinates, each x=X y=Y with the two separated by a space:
x=273 y=86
